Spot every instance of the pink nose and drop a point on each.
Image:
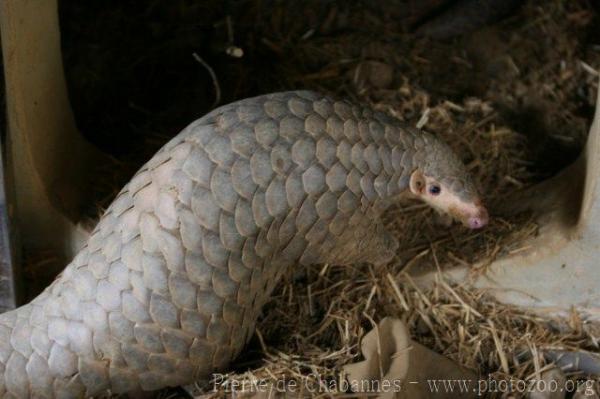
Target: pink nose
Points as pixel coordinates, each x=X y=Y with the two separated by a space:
x=477 y=222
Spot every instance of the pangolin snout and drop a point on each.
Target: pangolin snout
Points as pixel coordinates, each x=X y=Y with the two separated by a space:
x=472 y=214
x=478 y=220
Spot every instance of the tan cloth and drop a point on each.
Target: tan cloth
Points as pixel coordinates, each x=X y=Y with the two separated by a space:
x=396 y=367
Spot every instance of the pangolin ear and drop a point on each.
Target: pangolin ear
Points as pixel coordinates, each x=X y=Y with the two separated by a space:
x=417 y=183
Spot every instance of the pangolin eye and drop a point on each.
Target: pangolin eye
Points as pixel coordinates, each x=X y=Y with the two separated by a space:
x=435 y=189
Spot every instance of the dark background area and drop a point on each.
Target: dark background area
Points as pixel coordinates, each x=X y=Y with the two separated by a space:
x=134 y=81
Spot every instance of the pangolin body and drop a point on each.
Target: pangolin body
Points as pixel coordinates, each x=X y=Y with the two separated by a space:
x=169 y=286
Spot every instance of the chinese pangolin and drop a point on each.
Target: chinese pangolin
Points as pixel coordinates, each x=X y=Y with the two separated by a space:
x=171 y=281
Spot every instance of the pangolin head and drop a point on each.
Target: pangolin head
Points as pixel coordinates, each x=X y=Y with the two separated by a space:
x=441 y=179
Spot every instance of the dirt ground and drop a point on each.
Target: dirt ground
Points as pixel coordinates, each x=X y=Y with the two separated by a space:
x=515 y=99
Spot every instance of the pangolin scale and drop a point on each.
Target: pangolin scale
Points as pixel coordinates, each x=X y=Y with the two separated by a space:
x=170 y=284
